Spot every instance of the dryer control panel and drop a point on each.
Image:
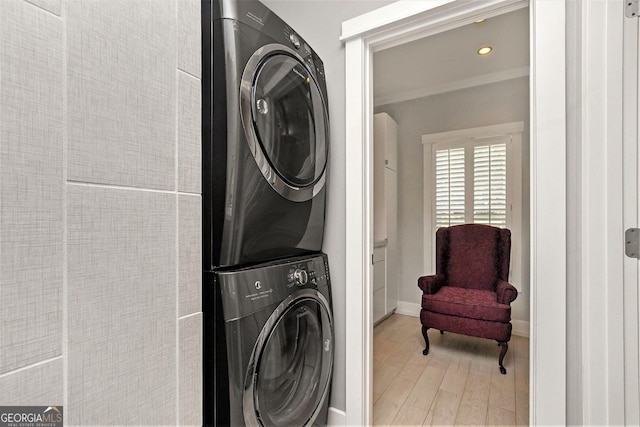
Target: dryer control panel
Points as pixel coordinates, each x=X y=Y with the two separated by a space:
x=256 y=15
x=248 y=290
x=304 y=50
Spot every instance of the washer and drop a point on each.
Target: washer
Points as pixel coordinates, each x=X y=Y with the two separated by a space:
x=276 y=324
x=265 y=137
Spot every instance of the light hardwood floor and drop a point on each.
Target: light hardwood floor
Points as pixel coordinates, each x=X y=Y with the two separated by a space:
x=458 y=383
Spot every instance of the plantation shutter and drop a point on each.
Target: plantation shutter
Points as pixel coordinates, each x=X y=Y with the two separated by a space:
x=450 y=187
x=490 y=184
x=471 y=182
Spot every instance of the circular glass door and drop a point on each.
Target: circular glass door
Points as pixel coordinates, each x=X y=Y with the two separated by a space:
x=290 y=369
x=285 y=121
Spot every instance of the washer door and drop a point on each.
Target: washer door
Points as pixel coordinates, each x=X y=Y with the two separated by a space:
x=285 y=120
x=290 y=369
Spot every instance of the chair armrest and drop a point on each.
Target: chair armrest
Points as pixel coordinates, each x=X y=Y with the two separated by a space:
x=430 y=284
x=505 y=292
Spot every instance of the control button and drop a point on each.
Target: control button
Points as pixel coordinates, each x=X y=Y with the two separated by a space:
x=295 y=41
x=300 y=277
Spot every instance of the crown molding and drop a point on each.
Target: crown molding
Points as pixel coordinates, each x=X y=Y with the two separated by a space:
x=484 y=79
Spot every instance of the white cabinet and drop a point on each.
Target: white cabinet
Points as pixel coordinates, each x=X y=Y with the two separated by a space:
x=391 y=257
x=379 y=279
x=385 y=216
x=385 y=131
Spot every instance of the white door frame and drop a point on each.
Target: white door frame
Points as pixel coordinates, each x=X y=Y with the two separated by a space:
x=631 y=166
x=409 y=20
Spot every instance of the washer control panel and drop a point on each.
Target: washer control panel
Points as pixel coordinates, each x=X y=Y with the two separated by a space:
x=308 y=274
x=250 y=289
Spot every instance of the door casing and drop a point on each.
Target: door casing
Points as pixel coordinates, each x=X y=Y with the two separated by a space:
x=400 y=23
x=631 y=209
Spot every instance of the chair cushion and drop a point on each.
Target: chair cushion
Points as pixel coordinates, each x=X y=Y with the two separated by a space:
x=499 y=331
x=469 y=303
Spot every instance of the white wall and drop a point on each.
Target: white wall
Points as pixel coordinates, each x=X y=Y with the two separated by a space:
x=319 y=22
x=100 y=233
x=495 y=103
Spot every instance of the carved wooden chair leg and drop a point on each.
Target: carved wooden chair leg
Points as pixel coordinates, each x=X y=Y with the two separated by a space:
x=505 y=347
x=426 y=340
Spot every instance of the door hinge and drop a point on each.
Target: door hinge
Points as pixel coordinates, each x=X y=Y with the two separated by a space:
x=632 y=8
x=632 y=243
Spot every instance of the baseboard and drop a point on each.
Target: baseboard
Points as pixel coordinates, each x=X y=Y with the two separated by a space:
x=519 y=327
x=336 y=417
x=408 y=308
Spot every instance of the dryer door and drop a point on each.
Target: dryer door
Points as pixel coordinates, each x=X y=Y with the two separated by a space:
x=286 y=122
x=289 y=373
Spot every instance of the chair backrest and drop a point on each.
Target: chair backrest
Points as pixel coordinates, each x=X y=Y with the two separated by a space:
x=473 y=255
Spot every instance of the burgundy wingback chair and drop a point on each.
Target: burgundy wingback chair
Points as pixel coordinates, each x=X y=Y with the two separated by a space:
x=469 y=294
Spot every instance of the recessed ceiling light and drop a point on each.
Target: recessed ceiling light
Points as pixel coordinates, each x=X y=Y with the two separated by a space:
x=485 y=50
x=480 y=21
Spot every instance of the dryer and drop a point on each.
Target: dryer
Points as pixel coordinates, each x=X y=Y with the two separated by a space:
x=265 y=137
x=269 y=346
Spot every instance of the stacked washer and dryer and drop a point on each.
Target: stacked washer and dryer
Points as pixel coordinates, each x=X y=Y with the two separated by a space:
x=268 y=322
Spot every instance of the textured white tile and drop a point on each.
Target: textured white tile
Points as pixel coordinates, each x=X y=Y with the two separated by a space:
x=189 y=37
x=31 y=218
x=190 y=254
x=121 y=306
x=189 y=134
x=53 y=6
x=39 y=385
x=122 y=92
x=190 y=381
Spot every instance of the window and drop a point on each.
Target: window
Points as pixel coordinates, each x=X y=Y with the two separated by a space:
x=475 y=176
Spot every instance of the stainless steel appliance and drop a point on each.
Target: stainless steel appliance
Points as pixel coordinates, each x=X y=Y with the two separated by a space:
x=269 y=344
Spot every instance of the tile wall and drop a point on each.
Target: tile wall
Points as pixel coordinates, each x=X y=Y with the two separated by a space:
x=100 y=209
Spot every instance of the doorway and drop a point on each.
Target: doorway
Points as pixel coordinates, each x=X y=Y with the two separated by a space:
x=446 y=97
x=397 y=24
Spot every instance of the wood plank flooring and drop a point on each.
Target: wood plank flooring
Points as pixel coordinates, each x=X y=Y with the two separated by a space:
x=458 y=383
